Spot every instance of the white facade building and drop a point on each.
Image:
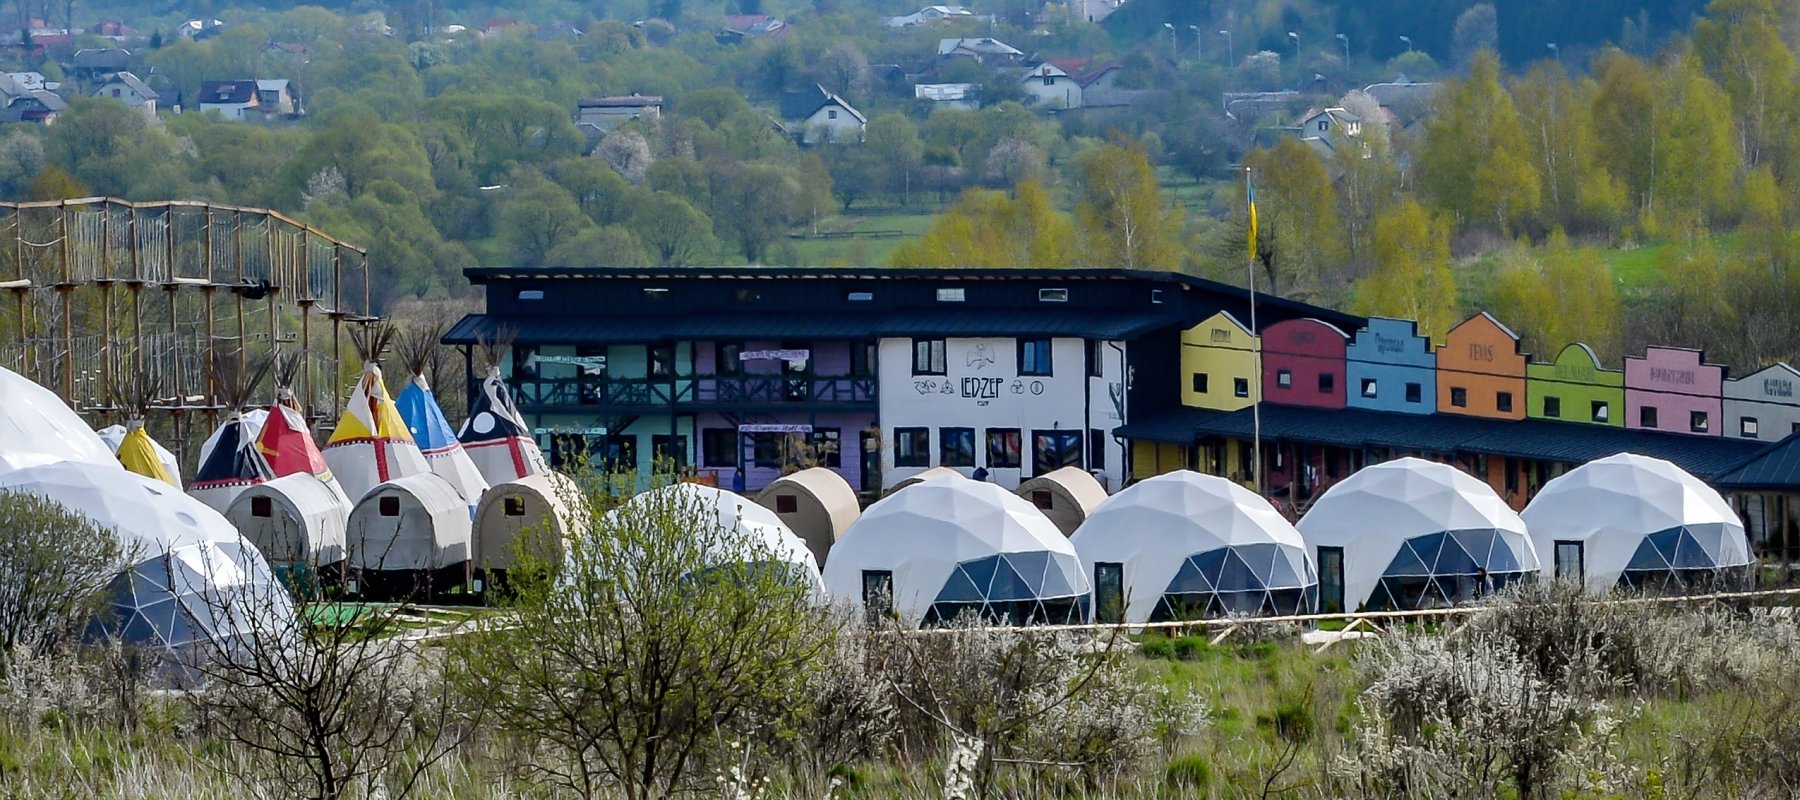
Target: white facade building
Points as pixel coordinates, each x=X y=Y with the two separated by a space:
x=1763 y=405
x=1018 y=407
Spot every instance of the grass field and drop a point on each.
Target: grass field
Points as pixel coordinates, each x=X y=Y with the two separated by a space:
x=911 y=223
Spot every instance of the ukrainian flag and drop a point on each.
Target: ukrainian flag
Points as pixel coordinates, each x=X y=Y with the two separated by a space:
x=1251 y=192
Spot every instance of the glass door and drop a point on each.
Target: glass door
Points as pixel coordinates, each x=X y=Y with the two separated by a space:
x=1331 y=580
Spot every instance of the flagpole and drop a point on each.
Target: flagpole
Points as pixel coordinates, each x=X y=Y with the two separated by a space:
x=1255 y=350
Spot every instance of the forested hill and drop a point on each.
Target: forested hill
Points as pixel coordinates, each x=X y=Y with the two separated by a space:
x=1525 y=28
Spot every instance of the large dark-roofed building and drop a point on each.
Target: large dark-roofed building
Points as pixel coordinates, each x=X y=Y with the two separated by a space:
x=875 y=373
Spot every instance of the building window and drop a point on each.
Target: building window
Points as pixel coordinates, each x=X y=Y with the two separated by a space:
x=860 y=297
x=1284 y=378
x=661 y=361
x=1042 y=499
x=1601 y=412
x=524 y=362
x=928 y=356
x=1569 y=560
x=1747 y=427
x=1053 y=450
x=956 y=447
x=831 y=113
x=1503 y=401
x=1415 y=393
x=1156 y=296
x=749 y=295
x=1003 y=448
x=515 y=507
x=1049 y=80
x=1647 y=417
x=1034 y=357
x=862 y=358
x=729 y=357
x=787 y=504
x=827 y=447
x=390 y=506
x=655 y=294
x=262 y=506
x=1459 y=397
x=1369 y=388
x=912 y=447
x=1240 y=387
x=766 y=449
x=670 y=452
x=1327 y=383
x=1096 y=351
x=1697 y=421
x=1553 y=407
x=719 y=447
x=950 y=295
x=1096 y=449
x=1200 y=383
x=1053 y=295
x=531 y=294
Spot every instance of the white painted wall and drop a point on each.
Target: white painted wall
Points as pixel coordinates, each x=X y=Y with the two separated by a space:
x=820 y=127
x=1062 y=92
x=982 y=389
x=1771 y=396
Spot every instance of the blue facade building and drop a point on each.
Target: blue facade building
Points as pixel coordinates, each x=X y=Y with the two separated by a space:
x=1391 y=367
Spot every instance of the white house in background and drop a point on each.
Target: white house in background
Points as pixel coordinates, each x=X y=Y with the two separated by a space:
x=983 y=49
x=606 y=113
x=231 y=99
x=126 y=88
x=821 y=116
x=1328 y=130
x=33 y=81
x=930 y=14
x=1018 y=407
x=949 y=95
x=1763 y=405
x=1094 y=10
x=1050 y=86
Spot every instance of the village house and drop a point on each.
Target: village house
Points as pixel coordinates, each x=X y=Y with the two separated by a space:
x=125 y=87
x=606 y=113
x=820 y=116
x=242 y=99
x=984 y=50
x=930 y=15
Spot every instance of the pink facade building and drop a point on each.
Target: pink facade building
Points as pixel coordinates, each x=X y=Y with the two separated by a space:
x=1673 y=389
x=1303 y=363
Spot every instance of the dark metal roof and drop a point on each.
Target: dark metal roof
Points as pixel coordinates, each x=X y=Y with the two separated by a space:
x=485 y=275
x=824 y=325
x=1776 y=467
x=1707 y=457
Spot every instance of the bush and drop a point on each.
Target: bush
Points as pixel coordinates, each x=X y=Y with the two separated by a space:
x=1190 y=648
x=1156 y=646
x=1188 y=772
x=55 y=566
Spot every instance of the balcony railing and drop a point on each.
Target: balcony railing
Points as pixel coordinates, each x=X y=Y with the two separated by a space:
x=701 y=391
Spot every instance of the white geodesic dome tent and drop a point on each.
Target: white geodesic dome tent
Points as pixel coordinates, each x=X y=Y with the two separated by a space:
x=37 y=427
x=1184 y=545
x=1410 y=534
x=748 y=530
x=1633 y=521
x=191 y=579
x=937 y=549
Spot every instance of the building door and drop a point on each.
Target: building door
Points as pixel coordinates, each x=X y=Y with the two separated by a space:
x=878 y=594
x=1331 y=580
x=1569 y=561
x=871 y=461
x=1109 y=593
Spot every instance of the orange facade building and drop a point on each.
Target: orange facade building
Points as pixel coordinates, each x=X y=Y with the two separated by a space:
x=1481 y=372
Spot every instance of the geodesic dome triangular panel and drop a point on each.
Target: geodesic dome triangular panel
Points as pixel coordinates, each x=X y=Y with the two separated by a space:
x=1197 y=545
x=1376 y=515
x=1626 y=517
x=751 y=531
x=924 y=535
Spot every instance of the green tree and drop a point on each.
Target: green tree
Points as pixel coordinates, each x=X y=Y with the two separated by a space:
x=1559 y=295
x=1119 y=214
x=1368 y=184
x=663 y=637
x=893 y=142
x=1298 y=236
x=609 y=246
x=675 y=233
x=55 y=568
x=1555 y=112
x=1740 y=43
x=1411 y=279
x=991 y=229
x=1695 y=158
x=539 y=219
x=1476 y=115
x=600 y=192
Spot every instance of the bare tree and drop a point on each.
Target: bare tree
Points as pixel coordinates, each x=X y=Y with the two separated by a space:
x=325 y=699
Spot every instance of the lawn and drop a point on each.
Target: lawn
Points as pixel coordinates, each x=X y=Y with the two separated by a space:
x=861 y=250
